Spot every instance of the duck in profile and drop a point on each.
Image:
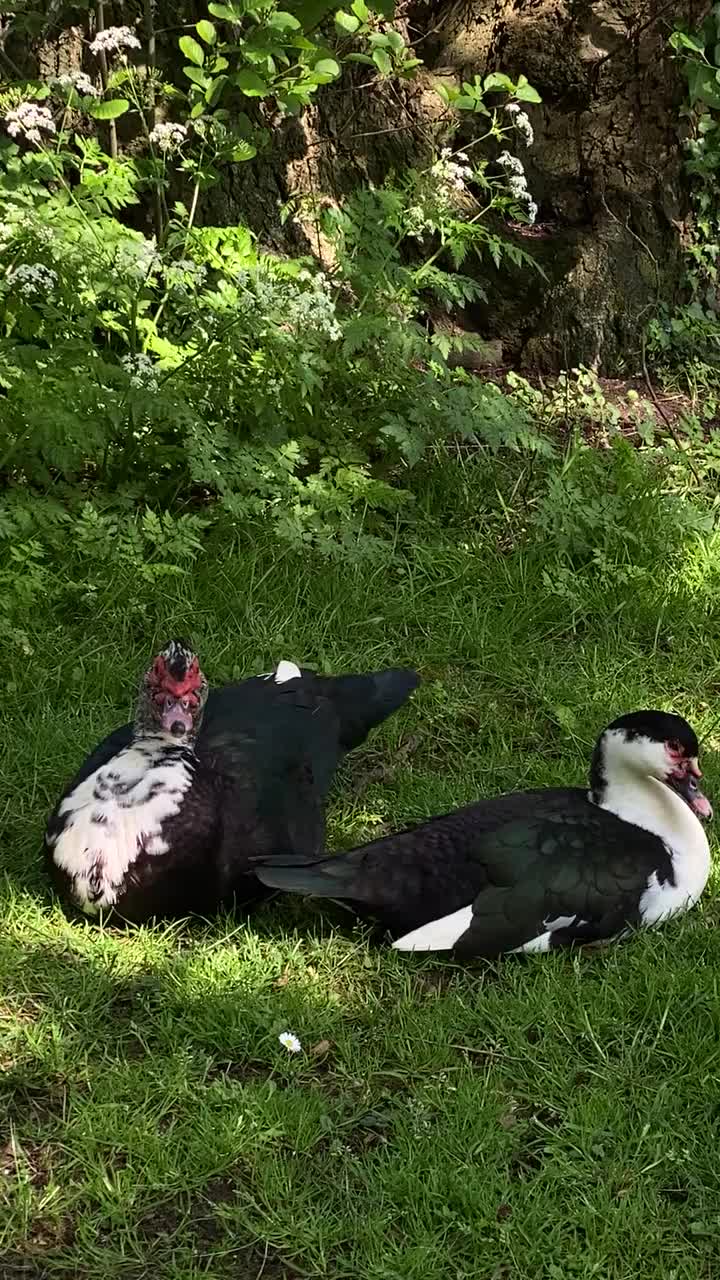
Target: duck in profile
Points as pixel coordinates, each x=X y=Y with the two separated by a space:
x=535 y=870
x=163 y=816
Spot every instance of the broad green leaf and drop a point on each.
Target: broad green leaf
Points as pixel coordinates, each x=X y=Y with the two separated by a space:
x=109 y=110
x=360 y=57
x=395 y=40
x=497 y=80
x=206 y=31
x=197 y=76
x=228 y=13
x=360 y=9
x=214 y=89
x=283 y=21
x=327 y=67
x=197 y=110
x=193 y=51
x=346 y=22
x=525 y=91
x=381 y=58
x=379 y=40
x=250 y=83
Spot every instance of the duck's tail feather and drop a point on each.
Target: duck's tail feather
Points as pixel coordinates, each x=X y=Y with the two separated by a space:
x=363 y=701
x=322 y=878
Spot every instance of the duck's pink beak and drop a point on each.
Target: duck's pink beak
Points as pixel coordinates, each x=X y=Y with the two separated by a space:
x=176 y=719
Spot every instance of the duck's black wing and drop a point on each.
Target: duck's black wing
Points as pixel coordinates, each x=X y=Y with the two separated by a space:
x=361 y=702
x=489 y=878
x=277 y=746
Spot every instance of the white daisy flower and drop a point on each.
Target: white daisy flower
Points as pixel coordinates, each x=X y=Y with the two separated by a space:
x=290 y=1042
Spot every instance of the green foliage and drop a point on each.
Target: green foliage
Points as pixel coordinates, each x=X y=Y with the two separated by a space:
x=188 y=378
x=694 y=330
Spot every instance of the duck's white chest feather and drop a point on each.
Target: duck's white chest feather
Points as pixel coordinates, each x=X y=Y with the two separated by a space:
x=115 y=816
x=664 y=813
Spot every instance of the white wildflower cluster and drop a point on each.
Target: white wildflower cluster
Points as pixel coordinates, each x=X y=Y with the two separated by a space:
x=168 y=136
x=137 y=258
x=30 y=121
x=80 y=82
x=141 y=371
x=114 y=40
x=451 y=175
x=290 y=1042
x=32 y=279
x=517 y=183
x=300 y=308
x=521 y=122
x=22 y=224
x=436 y=193
x=314 y=308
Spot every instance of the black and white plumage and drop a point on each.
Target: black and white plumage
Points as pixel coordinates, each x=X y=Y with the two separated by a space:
x=163 y=816
x=538 y=869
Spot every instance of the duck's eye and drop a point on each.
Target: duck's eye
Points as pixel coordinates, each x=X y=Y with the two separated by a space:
x=675 y=747
x=692 y=784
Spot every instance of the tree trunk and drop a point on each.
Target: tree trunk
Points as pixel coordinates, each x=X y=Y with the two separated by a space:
x=605 y=170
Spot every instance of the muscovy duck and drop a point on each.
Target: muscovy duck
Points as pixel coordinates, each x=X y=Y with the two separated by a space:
x=162 y=817
x=538 y=869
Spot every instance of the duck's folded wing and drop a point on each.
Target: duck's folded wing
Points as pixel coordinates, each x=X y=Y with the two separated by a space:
x=548 y=881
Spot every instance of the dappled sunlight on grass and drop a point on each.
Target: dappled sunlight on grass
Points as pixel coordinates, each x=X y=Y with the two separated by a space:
x=537 y=1118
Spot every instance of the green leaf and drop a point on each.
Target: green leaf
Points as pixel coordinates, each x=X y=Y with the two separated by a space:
x=327 y=67
x=197 y=110
x=283 y=21
x=526 y=93
x=680 y=40
x=381 y=58
x=227 y=13
x=360 y=57
x=193 y=51
x=360 y=9
x=197 y=76
x=214 y=89
x=242 y=152
x=379 y=40
x=206 y=31
x=250 y=83
x=109 y=110
x=395 y=41
x=346 y=22
x=702 y=84
x=497 y=80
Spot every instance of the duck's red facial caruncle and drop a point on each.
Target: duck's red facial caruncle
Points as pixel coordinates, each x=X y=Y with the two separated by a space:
x=683 y=777
x=682 y=764
x=175 y=684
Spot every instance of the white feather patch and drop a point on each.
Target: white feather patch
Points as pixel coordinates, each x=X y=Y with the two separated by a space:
x=437 y=935
x=113 y=817
x=287 y=671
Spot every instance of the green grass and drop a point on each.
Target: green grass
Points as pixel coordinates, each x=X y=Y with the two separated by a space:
x=531 y=1120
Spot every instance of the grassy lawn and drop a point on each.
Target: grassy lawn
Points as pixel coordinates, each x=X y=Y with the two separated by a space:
x=549 y=1119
